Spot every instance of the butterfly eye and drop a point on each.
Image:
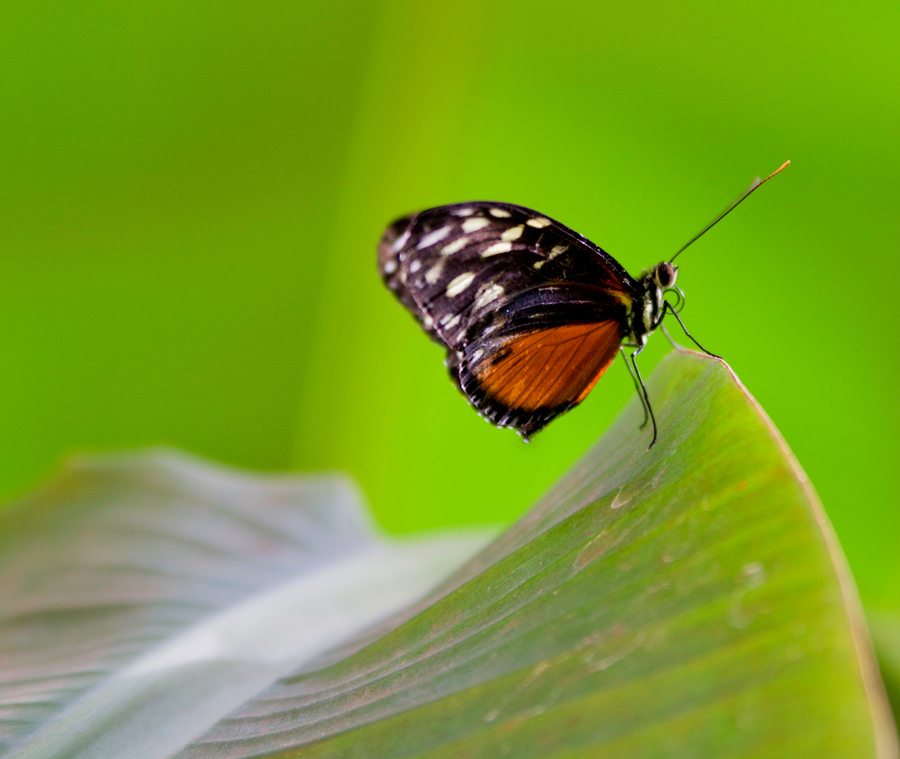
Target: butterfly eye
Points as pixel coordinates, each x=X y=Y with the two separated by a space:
x=665 y=275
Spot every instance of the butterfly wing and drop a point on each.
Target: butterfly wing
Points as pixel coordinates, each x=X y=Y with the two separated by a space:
x=390 y=258
x=531 y=313
x=526 y=380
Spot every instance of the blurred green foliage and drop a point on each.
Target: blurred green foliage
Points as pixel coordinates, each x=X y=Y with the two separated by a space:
x=191 y=195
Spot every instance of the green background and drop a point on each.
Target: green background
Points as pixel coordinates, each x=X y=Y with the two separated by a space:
x=192 y=192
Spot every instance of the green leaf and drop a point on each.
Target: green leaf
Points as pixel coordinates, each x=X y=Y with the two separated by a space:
x=143 y=598
x=688 y=601
x=885 y=628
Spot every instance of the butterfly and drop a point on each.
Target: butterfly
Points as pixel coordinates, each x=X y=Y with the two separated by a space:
x=531 y=313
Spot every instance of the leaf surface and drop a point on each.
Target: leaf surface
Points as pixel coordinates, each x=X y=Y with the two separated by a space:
x=145 y=597
x=689 y=601
x=885 y=627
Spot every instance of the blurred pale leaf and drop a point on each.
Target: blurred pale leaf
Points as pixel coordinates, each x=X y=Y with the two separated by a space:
x=142 y=598
x=690 y=601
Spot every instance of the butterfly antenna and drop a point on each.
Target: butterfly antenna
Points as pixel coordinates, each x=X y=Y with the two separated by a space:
x=756 y=183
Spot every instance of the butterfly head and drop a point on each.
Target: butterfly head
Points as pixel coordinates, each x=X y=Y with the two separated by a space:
x=654 y=284
x=664 y=275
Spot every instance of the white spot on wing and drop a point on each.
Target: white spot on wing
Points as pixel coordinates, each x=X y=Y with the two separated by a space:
x=558 y=250
x=400 y=241
x=497 y=247
x=539 y=264
x=499 y=213
x=488 y=295
x=463 y=211
x=452 y=322
x=460 y=283
x=390 y=266
x=474 y=224
x=455 y=246
x=433 y=237
x=434 y=273
x=513 y=233
x=415 y=266
x=539 y=223
x=428 y=322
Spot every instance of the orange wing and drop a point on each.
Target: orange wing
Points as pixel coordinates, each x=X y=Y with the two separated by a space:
x=536 y=376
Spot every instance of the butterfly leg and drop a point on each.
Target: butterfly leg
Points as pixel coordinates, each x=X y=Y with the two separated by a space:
x=674 y=313
x=644 y=392
x=637 y=388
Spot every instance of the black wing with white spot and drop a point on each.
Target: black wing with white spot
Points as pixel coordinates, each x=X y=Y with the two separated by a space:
x=476 y=275
x=451 y=266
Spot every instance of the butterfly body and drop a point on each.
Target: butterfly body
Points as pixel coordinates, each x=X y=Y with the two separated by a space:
x=530 y=312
